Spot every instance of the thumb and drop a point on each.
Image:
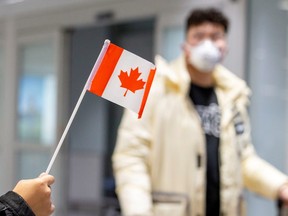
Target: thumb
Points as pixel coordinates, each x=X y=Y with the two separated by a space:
x=42 y=174
x=49 y=179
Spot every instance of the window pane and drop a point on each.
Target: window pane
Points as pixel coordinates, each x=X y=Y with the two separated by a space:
x=173 y=38
x=37 y=94
x=31 y=164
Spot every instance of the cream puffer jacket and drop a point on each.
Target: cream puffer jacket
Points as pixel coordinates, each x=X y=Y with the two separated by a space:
x=160 y=163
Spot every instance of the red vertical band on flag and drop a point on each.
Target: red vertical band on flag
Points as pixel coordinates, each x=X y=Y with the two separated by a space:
x=105 y=69
x=146 y=92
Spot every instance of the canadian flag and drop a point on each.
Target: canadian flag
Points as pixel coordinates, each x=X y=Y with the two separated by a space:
x=122 y=77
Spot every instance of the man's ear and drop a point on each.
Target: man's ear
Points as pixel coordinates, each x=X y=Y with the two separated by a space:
x=185 y=48
x=224 y=49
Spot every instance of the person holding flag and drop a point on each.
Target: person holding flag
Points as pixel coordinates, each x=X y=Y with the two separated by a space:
x=31 y=197
x=191 y=152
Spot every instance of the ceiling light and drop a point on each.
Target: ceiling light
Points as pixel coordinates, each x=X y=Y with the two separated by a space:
x=13 y=1
x=283 y=5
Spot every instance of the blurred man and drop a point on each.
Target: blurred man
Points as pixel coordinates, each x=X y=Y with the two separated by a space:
x=29 y=198
x=191 y=153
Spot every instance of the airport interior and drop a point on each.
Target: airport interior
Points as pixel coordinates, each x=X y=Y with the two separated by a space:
x=47 y=51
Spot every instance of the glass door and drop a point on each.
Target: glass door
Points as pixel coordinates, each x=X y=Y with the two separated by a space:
x=40 y=113
x=36 y=105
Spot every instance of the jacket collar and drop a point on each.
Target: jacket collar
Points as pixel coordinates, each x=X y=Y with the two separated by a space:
x=177 y=78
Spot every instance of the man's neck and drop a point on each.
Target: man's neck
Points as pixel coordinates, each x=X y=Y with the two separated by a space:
x=200 y=78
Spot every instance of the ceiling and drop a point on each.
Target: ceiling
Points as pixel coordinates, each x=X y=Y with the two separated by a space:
x=15 y=7
x=283 y=4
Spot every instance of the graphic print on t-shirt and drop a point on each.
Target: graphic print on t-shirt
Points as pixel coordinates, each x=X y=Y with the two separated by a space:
x=210 y=117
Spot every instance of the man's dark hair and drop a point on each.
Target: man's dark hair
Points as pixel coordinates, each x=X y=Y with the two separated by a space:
x=211 y=15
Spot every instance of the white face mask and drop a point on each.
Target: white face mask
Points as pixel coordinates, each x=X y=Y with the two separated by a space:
x=205 y=56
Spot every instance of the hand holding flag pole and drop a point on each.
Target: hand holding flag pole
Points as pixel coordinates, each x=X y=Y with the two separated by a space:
x=109 y=79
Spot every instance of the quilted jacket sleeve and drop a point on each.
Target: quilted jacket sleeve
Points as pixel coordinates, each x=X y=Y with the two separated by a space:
x=131 y=158
x=12 y=204
x=130 y=163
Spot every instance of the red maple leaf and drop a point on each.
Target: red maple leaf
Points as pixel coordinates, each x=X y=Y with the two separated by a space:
x=131 y=82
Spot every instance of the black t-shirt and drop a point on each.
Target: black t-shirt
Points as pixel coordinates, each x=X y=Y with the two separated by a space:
x=206 y=104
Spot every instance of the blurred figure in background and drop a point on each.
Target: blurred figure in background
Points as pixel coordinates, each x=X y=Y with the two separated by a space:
x=191 y=153
x=29 y=198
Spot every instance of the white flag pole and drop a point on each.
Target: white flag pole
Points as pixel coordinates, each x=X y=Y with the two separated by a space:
x=88 y=83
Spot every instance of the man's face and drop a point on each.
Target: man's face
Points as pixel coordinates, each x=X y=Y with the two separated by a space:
x=211 y=31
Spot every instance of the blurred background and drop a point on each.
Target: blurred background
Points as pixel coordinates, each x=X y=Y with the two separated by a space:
x=47 y=50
